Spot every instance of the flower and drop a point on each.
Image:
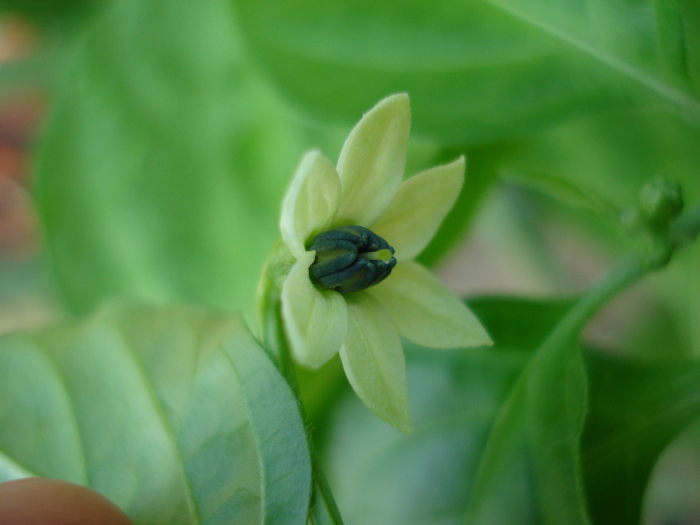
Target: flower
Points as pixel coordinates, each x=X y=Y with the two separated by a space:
x=366 y=192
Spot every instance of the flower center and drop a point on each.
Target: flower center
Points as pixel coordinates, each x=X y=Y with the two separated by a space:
x=350 y=259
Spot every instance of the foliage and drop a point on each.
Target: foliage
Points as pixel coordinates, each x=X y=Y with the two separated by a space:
x=174 y=131
x=176 y=414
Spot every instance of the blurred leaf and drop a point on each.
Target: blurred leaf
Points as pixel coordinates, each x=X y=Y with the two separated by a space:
x=469 y=406
x=177 y=415
x=636 y=410
x=529 y=471
x=34 y=36
x=54 y=19
x=382 y=476
x=164 y=164
x=519 y=323
x=479 y=71
x=566 y=192
x=612 y=154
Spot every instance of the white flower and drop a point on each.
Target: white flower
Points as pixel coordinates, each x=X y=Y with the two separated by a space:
x=364 y=326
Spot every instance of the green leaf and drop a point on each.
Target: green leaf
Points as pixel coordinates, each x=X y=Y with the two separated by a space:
x=636 y=409
x=611 y=155
x=493 y=435
x=519 y=323
x=177 y=415
x=163 y=167
x=478 y=71
x=567 y=192
x=380 y=475
x=530 y=470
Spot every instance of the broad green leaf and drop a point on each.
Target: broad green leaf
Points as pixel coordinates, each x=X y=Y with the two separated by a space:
x=177 y=415
x=472 y=412
x=567 y=192
x=478 y=72
x=612 y=155
x=519 y=323
x=165 y=160
x=636 y=409
x=533 y=449
x=382 y=476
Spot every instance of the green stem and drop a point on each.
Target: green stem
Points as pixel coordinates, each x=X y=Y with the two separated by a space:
x=627 y=272
x=324 y=509
x=685 y=231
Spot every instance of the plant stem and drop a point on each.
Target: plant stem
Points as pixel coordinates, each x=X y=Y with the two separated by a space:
x=323 y=509
x=629 y=270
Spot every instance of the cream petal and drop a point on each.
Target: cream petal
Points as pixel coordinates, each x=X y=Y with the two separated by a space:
x=426 y=312
x=419 y=208
x=373 y=360
x=372 y=161
x=311 y=202
x=315 y=321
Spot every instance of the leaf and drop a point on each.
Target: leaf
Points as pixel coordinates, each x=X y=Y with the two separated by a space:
x=177 y=415
x=533 y=449
x=488 y=421
x=566 y=192
x=478 y=72
x=163 y=167
x=636 y=409
x=380 y=475
x=612 y=155
x=519 y=323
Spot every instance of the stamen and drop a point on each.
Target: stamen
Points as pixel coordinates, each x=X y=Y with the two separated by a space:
x=350 y=259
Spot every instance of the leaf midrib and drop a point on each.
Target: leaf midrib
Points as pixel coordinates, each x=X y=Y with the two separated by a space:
x=131 y=352
x=685 y=103
x=607 y=446
x=666 y=92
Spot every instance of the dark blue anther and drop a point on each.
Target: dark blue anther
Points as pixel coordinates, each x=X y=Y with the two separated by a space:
x=350 y=259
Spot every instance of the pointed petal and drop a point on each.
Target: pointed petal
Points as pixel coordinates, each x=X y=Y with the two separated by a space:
x=315 y=321
x=373 y=360
x=426 y=312
x=311 y=202
x=419 y=208
x=372 y=161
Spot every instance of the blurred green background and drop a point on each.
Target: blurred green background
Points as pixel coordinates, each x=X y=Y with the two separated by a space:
x=145 y=146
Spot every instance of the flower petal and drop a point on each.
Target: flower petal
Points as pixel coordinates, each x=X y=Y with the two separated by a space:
x=372 y=161
x=315 y=321
x=311 y=202
x=426 y=312
x=419 y=208
x=373 y=360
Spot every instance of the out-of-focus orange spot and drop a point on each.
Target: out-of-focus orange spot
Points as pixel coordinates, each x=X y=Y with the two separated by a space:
x=17 y=38
x=19 y=232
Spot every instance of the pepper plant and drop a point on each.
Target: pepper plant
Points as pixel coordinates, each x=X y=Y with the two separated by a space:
x=253 y=332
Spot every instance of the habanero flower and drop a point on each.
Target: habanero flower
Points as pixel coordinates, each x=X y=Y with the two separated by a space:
x=353 y=286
